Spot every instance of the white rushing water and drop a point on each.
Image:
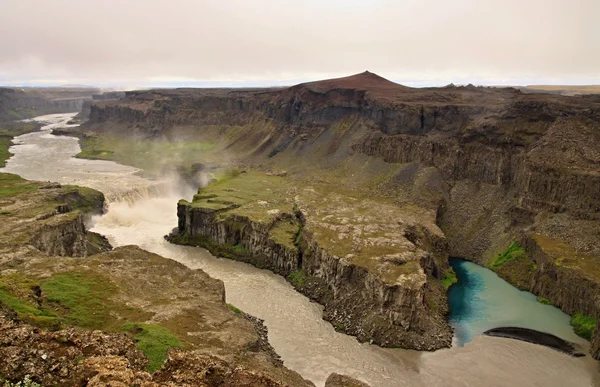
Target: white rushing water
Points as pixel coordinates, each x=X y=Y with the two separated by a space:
x=306 y=343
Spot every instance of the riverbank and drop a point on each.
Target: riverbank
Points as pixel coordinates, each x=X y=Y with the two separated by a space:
x=10 y=130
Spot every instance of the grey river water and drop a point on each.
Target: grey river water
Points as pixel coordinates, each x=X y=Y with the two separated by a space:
x=306 y=343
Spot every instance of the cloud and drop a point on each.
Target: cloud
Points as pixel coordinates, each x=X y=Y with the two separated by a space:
x=234 y=41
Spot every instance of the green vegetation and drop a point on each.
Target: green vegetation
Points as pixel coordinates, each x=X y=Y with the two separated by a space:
x=239 y=249
x=251 y=194
x=284 y=233
x=583 y=325
x=19 y=294
x=154 y=341
x=298 y=278
x=5 y=143
x=149 y=155
x=339 y=326
x=85 y=297
x=26 y=382
x=543 y=300
x=449 y=278
x=513 y=251
x=88 y=200
x=12 y=185
x=234 y=309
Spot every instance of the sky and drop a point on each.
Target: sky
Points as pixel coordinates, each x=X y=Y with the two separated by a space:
x=151 y=43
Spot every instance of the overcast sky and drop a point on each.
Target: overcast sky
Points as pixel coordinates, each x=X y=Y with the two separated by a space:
x=260 y=42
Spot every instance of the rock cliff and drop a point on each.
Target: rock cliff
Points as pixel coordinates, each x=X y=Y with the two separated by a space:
x=378 y=280
x=21 y=103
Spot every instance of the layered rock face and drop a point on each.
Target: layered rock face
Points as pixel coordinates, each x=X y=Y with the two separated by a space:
x=378 y=280
x=20 y=103
x=496 y=165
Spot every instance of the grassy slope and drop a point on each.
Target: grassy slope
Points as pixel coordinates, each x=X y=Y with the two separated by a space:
x=151 y=156
x=261 y=197
x=86 y=299
x=12 y=185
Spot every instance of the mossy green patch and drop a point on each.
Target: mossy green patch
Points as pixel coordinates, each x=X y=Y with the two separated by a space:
x=583 y=325
x=513 y=251
x=87 y=299
x=284 y=233
x=154 y=341
x=298 y=278
x=83 y=295
x=5 y=143
x=449 y=278
x=543 y=300
x=19 y=294
x=13 y=185
x=88 y=200
x=234 y=309
x=254 y=195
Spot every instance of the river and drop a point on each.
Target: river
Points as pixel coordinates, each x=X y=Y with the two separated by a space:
x=306 y=343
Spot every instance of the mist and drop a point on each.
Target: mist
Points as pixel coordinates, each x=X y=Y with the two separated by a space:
x=241 y=43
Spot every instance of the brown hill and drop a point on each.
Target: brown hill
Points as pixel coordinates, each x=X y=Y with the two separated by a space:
x=364 y=81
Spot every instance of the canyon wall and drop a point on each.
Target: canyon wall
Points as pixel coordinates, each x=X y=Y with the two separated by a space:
x=21 y=103
x=510 y=165
x=357 y=301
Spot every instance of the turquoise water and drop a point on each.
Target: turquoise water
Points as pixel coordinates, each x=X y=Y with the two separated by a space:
x=481 y=300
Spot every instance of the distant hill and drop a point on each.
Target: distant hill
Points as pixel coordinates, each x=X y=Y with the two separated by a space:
x=561 y=89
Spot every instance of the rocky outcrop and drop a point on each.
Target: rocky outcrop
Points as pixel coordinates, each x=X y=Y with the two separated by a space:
x=362 y=304
x=536 y=337
x=566 y=284
x=386 y=292
x=69 y=239
x=337 y=380
x=201 y=226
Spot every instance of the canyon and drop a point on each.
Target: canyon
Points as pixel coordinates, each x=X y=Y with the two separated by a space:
x=486 y=166
x=53 y=336
x=357 y=191
x=22 y=103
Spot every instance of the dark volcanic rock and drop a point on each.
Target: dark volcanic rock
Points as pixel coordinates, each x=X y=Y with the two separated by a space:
x=535 y=337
